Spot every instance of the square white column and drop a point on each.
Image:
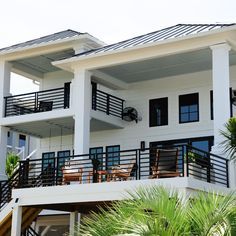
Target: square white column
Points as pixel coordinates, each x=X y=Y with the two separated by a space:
x=3 y=151
x=74 y=216
x=221 y=85
x=81 y=105
x=16 y=221
x=5 y=75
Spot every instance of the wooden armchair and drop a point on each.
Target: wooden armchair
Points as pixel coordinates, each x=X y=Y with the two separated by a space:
x=71 y=173
x=122 y=172
x=165 y=164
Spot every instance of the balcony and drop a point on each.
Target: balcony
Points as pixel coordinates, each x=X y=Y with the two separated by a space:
x=59 y=98
x=47 y=100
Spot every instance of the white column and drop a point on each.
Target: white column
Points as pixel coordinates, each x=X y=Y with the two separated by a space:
x=5 y=75
x=73 y=222
x=3 y=151
x=16 y=221
x=81 y=104
x=221 y=98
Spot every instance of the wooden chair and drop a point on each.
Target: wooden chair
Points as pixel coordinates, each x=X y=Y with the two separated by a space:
x=165 y=164
x=122 y=172
x=71 y=174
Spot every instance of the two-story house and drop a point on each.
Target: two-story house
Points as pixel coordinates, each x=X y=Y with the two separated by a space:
x=111 y=118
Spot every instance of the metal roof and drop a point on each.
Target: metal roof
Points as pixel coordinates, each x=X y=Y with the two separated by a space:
x=46 y=39
x=176 y=31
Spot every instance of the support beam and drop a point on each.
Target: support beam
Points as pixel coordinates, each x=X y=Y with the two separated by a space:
x=109 y=81
x=16 y=221
x=81 y=105
x=220 y=79
x=73 y=222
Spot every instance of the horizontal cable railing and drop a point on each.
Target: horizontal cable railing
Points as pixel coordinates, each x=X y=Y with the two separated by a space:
x=41 y=101
x=135 y=164
x=107 y=103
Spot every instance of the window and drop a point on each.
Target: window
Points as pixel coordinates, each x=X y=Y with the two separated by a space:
x=96 y=153
x=48 y=160
x=22 y=140
x=113 y=155
x=158 y=112
x=62 y=157
x=188 y=108
x=9 y=138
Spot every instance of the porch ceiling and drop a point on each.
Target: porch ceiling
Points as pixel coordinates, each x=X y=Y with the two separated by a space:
x=38 y=65
x=156 y=68
x=57 y=127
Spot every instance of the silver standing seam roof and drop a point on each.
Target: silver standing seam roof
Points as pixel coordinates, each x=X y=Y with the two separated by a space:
x=176 y=31
x=45 y=39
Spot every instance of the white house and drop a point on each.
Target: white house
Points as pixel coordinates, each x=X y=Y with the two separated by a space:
x=100 y=106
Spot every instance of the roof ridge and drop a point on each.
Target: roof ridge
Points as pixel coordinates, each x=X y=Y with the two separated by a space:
x=126 y=40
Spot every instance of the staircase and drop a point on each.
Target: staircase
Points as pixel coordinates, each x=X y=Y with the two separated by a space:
x=29 y=214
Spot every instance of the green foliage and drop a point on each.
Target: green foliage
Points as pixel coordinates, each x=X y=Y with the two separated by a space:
x=158 y=212
x=229 y=144
x=11 y=163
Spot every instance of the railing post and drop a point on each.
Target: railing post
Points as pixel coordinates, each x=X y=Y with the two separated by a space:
x=5 y=108
x=67 y=95
x=122 y=108
x=182 y=161
x=137 y=165
x=36 y=102
x=94 y=96
x=209 y=168
x=108 y=104
x=227 y=172
x=187 y=161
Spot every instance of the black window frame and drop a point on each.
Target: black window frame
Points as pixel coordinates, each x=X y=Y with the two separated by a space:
x=61 y=160
x=99 y=158
x=46 y=161
x=189 y=112
x=114 y=163
x=153 y=116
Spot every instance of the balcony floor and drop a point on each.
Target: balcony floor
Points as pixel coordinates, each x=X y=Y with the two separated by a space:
x=84 y=197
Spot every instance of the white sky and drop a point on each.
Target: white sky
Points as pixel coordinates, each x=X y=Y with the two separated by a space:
x=108 y=20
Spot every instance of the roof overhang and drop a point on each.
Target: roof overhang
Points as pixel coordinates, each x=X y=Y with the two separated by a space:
x=49 y=47
x=150 y=50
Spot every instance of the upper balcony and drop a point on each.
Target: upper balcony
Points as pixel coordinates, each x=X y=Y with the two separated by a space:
x=53 y=106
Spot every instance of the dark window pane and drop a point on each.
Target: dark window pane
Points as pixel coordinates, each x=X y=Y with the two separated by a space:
x=22 y=140
x=113 y=155
x=96 y=153
x=184 y=117
x=158 y=112
x=193 y=116
x=188 y=108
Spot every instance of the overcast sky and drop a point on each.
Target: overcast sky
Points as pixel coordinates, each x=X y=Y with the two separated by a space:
x=108 y=20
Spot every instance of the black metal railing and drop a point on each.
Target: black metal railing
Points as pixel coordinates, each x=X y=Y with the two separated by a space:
x=132 y=164
x=6 y=188
x=107 y=103
x=47 y=100
x=135 y=164
x=29 y=232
